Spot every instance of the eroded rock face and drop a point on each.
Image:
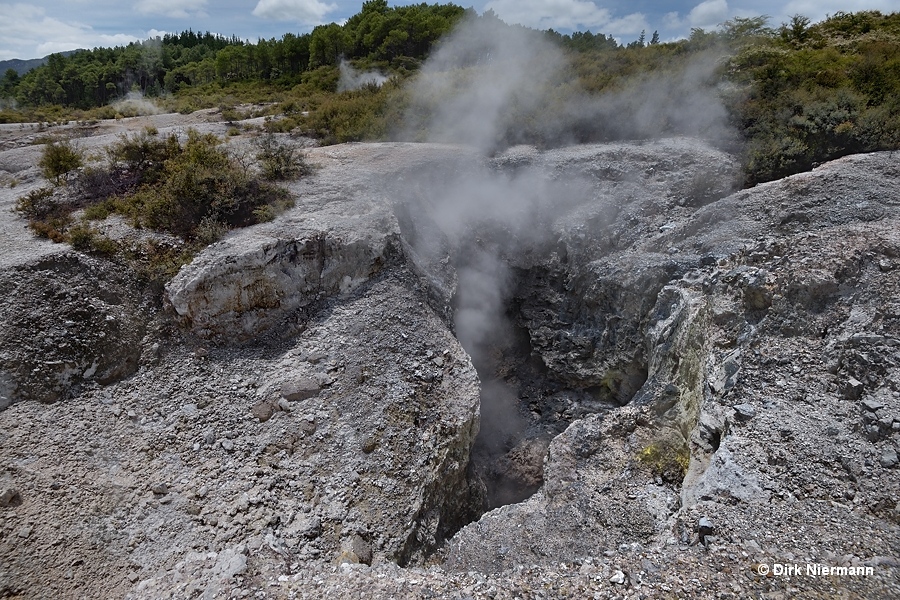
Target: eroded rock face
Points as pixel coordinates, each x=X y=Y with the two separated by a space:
x=248 y=286
x=755 y=369
x=318 y=410
x=68 y=320
x=342 y=232
x=372 y=468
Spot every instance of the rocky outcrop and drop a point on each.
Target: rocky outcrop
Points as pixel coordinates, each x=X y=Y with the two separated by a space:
x=342 y=231
x=251 y=282
x=68 y=320
x=755 y=386
x=722 y=368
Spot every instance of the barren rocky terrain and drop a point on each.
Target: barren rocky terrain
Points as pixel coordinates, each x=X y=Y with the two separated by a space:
x=596 y=371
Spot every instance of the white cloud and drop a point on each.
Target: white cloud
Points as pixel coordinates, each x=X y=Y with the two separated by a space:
x=27 y=32
x=178 y=9
x=545 y=14
x=306 y=12
x=706 y=15
x=87 y=42
x=672 y=20
x=818 y=9
x=709 y=14
x=633 y=23
x=559 y=14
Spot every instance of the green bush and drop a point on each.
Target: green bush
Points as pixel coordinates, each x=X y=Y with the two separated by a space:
x=59 y=159
x=81 y=237
x=198 y=182
x=195 y=190
x=142 y=155
x=37 y=204
x=209 y=231
x=279 y=161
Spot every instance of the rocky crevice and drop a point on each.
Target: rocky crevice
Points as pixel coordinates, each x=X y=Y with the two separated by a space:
x=654 y=362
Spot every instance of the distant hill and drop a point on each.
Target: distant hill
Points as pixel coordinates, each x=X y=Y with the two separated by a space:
x=23 y=66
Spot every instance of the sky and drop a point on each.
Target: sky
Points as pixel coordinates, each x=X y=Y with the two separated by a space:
x=35 y=29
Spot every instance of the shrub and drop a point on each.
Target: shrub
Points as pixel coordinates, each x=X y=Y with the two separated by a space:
x=81 y=237
x=264 y=214
x=142 y=155
x=47 y=230
x=209 y=231
x=198 y=183
x=231 y=115
x=98 y=184
x=100 y=210
x=59 y=159
x=279 y=161
x=48 y=217
x=157 y=262
x=195 y=190
x=37 y=204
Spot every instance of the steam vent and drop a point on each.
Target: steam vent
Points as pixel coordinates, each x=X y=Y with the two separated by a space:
x=453 y=368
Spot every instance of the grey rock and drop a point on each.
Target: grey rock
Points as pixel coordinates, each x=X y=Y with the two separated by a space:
x=853 y=388
x=48 y=347
x=744 y=411
x=209 y=437
x=357 y=550
x=603 y=306
x=10 y=497
x=618 y=577
x=724 y=479
x=888 y=458
x=262 y=411
x=160 y=489
x=243 y=286
x=871 y=404
x=300 y=389
x=308 y=527
x=705 y=529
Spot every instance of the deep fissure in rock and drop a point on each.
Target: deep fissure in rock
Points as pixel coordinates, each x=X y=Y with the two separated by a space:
x=523 y=406
x=499 y=285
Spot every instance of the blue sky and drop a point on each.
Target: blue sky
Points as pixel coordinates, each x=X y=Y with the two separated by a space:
x=35 y=29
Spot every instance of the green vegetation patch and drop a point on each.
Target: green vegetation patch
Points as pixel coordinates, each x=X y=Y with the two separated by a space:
x=796 y=94
x=59 y=159
x=194 y=190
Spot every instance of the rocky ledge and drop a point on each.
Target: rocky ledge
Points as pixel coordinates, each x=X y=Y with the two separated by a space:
x=701 y=384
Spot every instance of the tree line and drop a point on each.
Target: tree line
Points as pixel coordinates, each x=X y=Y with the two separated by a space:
x=89 y=78
x=797 y=94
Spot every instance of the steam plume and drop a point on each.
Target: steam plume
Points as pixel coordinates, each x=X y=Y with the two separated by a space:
x=351 y=79
x=135 y=104
x=491 y=86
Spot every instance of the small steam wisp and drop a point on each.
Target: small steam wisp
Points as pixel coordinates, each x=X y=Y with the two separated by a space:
x=351 y=79
x=135 y=104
